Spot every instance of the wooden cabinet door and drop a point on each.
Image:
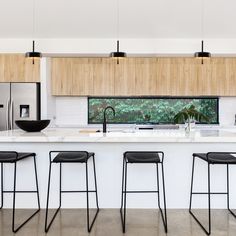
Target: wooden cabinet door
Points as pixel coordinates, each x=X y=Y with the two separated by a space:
x=211 y=77
x=183 y=77
x=103 y=76
x=125 y=77
x=72 y=76
x=2 y=78
x=82 y=76
x=14 y=68
x=61 y=76
x=145 y=76
x=163 y=78
x=230 y=78
x=17 y=68
x=176 y=76
x=31 y=71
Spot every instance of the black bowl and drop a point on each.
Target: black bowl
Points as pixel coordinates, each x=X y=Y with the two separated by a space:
x=32 y=125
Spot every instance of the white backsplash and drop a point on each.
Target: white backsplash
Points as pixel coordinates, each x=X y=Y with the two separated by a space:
x=73 y=111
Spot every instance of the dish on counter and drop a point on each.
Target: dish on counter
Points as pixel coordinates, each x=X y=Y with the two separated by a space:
x=32 y=125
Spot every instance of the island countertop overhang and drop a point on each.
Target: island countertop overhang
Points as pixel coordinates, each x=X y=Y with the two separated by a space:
x=67 y=135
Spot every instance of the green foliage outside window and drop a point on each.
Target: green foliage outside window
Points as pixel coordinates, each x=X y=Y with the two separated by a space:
x=149 y=110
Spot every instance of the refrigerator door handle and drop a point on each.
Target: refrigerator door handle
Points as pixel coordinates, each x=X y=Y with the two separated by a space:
x=12 y=114
x=8 y=115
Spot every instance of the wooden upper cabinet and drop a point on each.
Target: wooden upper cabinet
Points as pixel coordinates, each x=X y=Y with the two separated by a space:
x=229 y=88
x=2 y=68
x=14 y=68
x=82 y=76
x=176 y=76
x=31 y=71
x=72 y=76
x=103 y=77
x=17 y=68
x=212 y=77
x=143 y=77
x=125 y=77
x=61 y=75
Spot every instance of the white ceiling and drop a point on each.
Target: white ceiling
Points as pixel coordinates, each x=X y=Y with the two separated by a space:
x=98 y=19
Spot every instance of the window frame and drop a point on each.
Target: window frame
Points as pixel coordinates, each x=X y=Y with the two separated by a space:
x=152 y=97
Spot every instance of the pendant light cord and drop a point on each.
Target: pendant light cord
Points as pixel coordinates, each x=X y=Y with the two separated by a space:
x=118 y=20
x=202 y=19
x=33 y=33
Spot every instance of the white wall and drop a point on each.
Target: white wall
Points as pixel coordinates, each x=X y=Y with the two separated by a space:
x=131 y=46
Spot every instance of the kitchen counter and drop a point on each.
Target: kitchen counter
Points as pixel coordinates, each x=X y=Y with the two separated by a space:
x=63 y=135
x=109 y=148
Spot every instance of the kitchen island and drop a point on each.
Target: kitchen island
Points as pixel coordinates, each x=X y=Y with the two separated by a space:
x=109 y=148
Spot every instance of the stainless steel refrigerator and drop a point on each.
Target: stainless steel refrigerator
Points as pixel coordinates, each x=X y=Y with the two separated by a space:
x=18 y=101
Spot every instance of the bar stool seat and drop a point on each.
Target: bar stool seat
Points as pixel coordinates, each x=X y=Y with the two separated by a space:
x=80 y=157
x=142 y=157
x=217 y=158
x=13 y=157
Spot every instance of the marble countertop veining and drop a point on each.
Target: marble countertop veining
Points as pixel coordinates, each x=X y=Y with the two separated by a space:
x=67 y=135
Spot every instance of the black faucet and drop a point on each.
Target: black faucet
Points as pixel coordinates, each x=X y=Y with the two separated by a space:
x=105 y=118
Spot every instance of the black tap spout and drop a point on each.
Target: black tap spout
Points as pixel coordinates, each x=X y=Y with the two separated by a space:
x=105 y=117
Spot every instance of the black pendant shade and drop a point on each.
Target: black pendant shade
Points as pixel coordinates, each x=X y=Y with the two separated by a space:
x=118 y=54
x=33 y=54
x=202 y=54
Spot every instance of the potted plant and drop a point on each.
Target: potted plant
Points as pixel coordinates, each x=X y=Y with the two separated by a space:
x=189 y=115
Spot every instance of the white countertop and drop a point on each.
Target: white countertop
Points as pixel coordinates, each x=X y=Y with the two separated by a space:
x=67 y=135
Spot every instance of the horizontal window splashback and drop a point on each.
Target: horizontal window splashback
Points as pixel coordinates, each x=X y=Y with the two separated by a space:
x=149 y=110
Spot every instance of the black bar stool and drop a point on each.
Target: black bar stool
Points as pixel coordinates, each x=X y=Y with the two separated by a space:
x=212 y=158
x=142 y=157
x=14 y=157
x=72 y=157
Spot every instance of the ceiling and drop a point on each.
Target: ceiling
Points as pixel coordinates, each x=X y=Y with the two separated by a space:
x=98 y=19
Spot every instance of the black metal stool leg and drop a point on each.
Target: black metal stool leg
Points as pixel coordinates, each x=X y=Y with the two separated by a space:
x=14 y=200
x=1 y=186
x=125 y=193
x=158 y=188
x=164 y=216
x=228 y=199
x=208 y=232
x=89 y=226
x=191 y=189
x=122 y=193
x=209 y=199
x=95 y=182
x=60 y=185
x=36 y=182
x=87 y=195
x=47 y=226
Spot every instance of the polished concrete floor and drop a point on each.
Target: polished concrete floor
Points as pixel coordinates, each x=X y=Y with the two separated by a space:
x=139 y=223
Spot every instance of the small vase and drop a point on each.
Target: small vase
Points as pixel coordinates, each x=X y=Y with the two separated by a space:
x=189 y=125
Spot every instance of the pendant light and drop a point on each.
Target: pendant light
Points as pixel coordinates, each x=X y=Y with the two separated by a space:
x=118 y=55
x=202 y=54
x=33 y=55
